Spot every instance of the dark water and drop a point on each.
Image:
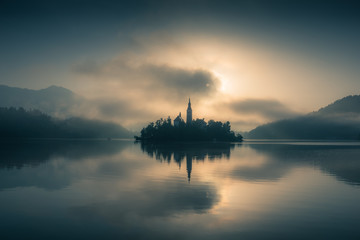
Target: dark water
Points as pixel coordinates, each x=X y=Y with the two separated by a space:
x=121 y=190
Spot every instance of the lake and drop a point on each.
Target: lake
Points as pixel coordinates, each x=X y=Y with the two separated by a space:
x=95 y=189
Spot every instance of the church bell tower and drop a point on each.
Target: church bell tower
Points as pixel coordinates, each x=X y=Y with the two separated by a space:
x=189 y=114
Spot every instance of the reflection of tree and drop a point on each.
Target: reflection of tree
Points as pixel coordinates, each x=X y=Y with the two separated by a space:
x=178 y=152
x=48 y=164
x=340 y=161
x=16 y=154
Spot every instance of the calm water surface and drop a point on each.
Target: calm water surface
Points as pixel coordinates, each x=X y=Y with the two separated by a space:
x=125 y=190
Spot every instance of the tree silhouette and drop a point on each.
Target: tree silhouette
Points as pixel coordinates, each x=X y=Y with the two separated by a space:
x=198 y=130
x=21 y=123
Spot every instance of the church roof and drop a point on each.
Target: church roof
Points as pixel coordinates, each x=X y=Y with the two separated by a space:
x=178 y=118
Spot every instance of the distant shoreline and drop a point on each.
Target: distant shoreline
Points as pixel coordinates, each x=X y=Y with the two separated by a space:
x=18 y=139
x=139 y=139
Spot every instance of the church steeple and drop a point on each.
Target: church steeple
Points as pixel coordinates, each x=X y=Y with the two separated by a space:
x=189 y=165
x=189 y=113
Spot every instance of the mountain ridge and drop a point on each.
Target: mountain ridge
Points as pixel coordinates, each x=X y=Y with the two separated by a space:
x=338 y=120
x=54 y=100
x=59 y=103
x=348 y=104
x=21 y=123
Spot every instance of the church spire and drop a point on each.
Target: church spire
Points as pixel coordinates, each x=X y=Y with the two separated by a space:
x=189 y=113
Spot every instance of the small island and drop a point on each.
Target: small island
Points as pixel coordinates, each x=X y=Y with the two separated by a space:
x=192 y=130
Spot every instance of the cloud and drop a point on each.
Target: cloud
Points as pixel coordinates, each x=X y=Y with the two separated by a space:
x=137 y=88
x=138 y=75
x=87 y=67
x=244 y=125
x=247 y=114
x=190 y=81
x=119 y=109
x=268 y=109
x=126 y=112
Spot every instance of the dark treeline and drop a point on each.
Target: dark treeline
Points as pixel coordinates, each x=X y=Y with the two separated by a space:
x=338 y=120
x=21 y=123
x=198 y=130
x=308 y=127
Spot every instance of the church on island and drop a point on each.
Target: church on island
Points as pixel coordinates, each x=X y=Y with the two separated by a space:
x=179 y=119
x=191 y=130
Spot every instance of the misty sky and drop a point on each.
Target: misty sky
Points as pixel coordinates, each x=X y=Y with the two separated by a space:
x=249 y=62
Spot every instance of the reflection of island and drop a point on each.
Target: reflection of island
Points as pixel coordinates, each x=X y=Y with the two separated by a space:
x=192 y=130
x=339 y=160
x=178 y=152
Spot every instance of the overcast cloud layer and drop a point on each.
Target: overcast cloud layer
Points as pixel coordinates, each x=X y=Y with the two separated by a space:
x=249 y=62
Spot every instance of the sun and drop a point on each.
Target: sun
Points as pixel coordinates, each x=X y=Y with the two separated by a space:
x=224 y=83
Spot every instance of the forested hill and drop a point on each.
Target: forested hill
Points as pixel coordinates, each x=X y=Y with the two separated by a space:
x=339 y=120
x=54 y=100
x=346 y=105
x=21 y=123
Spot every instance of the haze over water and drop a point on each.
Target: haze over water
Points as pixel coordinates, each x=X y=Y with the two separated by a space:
x=63 y=189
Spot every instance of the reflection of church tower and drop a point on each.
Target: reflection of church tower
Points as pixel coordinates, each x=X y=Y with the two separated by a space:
x=188 y=165
x=189 y=114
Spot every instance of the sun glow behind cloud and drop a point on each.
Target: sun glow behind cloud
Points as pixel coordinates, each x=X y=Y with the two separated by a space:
x=169 y=70
x=139 y=66
x=225 y=86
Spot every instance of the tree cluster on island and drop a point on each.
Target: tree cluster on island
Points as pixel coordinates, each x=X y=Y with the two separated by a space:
x=197 y=130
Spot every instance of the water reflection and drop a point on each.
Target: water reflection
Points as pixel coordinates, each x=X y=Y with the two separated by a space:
x=197 y=151
x=16 y=154
x=341 y=161
x=46 y=164
x=121 y=190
